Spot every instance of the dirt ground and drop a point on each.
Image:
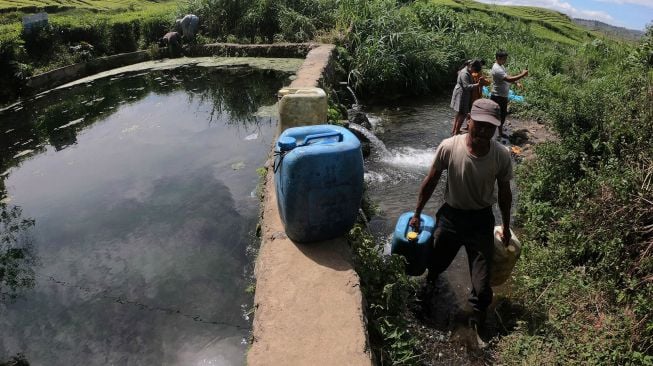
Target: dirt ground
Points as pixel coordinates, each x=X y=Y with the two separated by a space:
x=525 y=134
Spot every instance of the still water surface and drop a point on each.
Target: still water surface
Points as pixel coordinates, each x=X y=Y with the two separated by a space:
x=142 y=191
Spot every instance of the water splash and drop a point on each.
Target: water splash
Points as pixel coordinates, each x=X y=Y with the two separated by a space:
x=408 y=157
x=376 y=177
x=375 y=121
x=378 y=145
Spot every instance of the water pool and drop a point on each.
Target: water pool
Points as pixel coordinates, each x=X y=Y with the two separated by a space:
x=142 y=192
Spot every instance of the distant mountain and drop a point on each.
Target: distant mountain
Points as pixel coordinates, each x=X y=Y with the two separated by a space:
x=610 y=30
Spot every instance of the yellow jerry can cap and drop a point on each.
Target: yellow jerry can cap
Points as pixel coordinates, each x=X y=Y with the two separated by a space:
x=412 y=235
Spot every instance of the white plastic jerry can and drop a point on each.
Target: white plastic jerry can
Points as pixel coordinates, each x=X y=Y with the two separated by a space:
x=504 y=258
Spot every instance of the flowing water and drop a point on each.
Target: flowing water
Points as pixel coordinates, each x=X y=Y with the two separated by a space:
x=142 y=189
x=410 y=130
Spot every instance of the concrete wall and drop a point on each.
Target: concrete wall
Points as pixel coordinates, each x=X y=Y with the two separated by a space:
x=66 y=74
x=283 y=50
x=309 y=307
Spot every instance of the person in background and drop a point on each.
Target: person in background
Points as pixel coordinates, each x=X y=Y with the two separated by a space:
x=501 y=85
x=461 y=98
x=172 y=41
x=477 y=93
x=474 y=162
x=188 y=26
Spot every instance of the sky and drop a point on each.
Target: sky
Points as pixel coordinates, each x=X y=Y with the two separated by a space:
x=633 y=14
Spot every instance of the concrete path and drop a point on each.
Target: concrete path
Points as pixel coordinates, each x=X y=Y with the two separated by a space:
x=309 y=308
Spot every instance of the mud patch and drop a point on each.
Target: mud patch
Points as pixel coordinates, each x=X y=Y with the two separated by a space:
x=525 y=134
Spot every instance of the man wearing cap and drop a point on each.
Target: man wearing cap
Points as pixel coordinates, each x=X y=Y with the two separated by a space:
x=474 y=162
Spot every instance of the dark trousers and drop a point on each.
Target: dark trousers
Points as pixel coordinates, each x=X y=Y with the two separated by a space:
x=503 y=105
x=473 y=229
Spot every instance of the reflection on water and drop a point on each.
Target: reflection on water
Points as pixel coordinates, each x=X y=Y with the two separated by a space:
x=17 y=257
x=140 y=188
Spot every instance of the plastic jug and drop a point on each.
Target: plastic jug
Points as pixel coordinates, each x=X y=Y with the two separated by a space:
x=301 y=107
x=414 y=246
x=504 y=258
x=319 y=181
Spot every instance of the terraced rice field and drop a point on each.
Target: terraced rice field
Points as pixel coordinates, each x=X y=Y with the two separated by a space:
x=547 y=24
x=62 y=5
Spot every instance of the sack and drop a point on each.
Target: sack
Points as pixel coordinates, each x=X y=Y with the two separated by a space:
x=504 y=258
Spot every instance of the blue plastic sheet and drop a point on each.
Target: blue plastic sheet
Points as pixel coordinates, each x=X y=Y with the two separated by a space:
x=511 y=95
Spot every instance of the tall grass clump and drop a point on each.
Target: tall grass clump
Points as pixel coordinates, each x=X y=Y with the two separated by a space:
x=263 y=20
x=390 y=52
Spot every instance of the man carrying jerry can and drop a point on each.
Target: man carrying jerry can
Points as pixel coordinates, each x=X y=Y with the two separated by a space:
x=474 y=162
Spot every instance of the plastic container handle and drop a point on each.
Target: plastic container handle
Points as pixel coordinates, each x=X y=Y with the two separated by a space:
x=323 y=135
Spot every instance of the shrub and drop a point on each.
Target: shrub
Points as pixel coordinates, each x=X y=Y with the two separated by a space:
x=15 y=72
x=294 y=26
x=124 y=37
x=40 y=43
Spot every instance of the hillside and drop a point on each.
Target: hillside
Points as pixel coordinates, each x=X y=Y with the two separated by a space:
x=546 y=24
x=611 y=30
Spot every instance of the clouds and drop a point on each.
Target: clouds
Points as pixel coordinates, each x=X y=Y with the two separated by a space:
x=646 y=3
x=566 y=8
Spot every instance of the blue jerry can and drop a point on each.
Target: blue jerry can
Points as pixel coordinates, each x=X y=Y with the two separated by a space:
x=319 y=181
x=415 y=247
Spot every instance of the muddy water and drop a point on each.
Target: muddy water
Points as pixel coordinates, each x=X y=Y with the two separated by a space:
x=142 y=191
x=411 y=130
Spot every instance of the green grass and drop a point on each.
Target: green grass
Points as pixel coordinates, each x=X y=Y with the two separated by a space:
x=81 y=11
x=546 y=33
x=54 y=5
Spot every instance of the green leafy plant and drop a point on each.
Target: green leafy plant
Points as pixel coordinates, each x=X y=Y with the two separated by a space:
x=388 y=291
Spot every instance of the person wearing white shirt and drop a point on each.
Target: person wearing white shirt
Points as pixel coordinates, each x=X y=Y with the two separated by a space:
x=501 y=85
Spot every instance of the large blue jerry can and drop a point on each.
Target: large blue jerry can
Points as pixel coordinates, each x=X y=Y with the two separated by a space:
x=415 y=247
x=319 y=181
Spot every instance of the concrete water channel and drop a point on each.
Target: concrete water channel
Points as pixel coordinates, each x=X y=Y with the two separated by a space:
x=142 y=186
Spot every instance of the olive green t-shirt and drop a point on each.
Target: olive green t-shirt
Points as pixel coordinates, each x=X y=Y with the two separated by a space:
x=471 y=179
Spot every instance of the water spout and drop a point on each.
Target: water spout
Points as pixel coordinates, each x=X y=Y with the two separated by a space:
x=377 y=144
x=356 y=103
